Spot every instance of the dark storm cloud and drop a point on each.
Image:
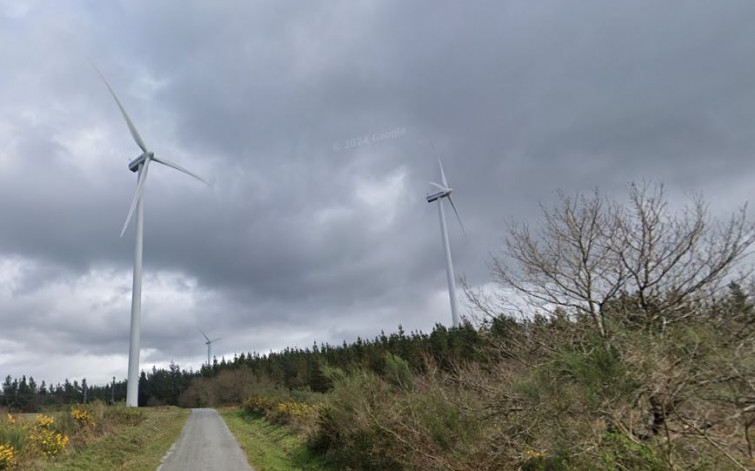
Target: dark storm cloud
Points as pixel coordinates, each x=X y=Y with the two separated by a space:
x=302 y=239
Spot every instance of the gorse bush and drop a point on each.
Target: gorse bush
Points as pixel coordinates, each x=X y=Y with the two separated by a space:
x=44 y=438
x=82 y=417
x=84 y=423
x=279 y=410
x=7 y=457
x=346 y=433
x=258 y=405
x=294 y=412
x=398 y=372
x=297 y=409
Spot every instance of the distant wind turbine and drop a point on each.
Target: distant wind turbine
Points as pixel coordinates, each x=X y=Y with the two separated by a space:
x=209 y=345
x=444 y=191
x=141 y=166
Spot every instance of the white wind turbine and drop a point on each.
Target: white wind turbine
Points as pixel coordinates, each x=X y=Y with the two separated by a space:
x=209 y=345
x=444 y=191
x=141 y=166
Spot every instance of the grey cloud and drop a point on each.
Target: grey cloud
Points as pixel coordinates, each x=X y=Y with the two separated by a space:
x=519 y=98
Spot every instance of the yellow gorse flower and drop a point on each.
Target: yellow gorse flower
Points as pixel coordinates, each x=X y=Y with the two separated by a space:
x=7 y=457
x=288 y=411
x=82 y=417
x=294 y=409
x=45 y=439
x=44 y=421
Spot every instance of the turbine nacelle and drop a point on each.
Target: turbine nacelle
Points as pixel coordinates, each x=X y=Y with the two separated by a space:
x=134 y=164
x=208 y=342
x=444 y=192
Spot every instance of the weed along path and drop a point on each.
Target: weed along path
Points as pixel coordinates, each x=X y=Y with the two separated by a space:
x=205 y=444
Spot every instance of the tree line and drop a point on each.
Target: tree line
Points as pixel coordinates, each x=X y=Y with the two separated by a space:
x=291 y=368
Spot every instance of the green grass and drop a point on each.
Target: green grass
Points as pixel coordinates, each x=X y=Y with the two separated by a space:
x=271 y=447
x=133 y=448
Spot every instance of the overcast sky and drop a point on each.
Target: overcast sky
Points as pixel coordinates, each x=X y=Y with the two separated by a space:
x=314 y=121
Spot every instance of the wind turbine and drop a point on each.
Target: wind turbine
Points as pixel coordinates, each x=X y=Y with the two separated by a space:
x=140 y=165
x=444 y=191
x=209 y=344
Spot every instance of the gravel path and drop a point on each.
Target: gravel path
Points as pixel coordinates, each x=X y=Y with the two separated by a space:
x=205 y=444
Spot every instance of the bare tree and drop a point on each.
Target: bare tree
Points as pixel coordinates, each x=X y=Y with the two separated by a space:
x=590 y=250
x=670 y=256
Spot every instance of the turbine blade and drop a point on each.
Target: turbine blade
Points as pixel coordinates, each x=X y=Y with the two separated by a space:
x=131 y=127
x=215 y=340
x=457 y=215
x=138 y=195
x=205 y=335
x=442 y=174
x=181 y=169
x=439 y=186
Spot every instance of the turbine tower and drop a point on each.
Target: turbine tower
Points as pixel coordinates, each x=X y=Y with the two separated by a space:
x=209 y=345
x=444 y=191
x=140 y=165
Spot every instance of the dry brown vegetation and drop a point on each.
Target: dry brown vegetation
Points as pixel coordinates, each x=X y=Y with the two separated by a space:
x=552 y=396
x=632 y=355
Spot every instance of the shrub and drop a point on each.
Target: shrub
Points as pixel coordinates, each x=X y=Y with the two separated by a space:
x=373 y=424
x=122 y=415
x=258 y=405
x=292 y=412
x=618 y=452
x=397 y=371
x=283 y=409
x=82 y=417
x=45 y=439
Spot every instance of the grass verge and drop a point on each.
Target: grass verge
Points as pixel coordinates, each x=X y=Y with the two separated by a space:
x=271 y=447
x=133 y=448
